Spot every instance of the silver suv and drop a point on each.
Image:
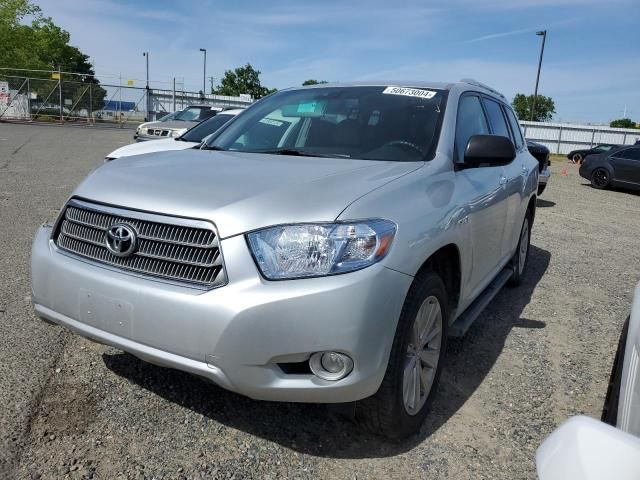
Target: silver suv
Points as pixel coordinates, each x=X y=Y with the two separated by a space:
x=320 y=248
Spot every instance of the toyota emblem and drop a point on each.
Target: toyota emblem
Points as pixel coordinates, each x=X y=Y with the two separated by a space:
x=121 y=240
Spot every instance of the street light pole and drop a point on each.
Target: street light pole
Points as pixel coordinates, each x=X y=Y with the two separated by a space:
x=543 y=34
x=146 y=55
x=204 y=71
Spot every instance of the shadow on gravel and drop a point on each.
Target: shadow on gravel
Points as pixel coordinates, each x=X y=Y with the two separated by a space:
x=544 y=203
x=630 y=191
x=313 y=429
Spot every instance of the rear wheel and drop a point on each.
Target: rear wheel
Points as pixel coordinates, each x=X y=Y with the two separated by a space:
x=400 y=405
x=521 y=257
x=600 y=178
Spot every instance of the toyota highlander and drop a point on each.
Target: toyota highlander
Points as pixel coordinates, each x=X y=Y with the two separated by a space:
x=320 y=248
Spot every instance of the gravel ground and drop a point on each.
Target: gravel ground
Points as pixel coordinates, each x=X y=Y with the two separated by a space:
x=538 y=354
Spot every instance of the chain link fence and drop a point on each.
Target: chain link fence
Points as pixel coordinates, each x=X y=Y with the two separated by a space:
x=61 y=97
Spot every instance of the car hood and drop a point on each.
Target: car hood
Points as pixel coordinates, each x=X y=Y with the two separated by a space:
x=150 y=147
x=238 y=191
x=176 y=124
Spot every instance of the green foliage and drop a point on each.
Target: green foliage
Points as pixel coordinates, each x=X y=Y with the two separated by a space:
x=313 y=82
x=522 y=105
x=42 y=45
x=624 y=123
x=243 y=80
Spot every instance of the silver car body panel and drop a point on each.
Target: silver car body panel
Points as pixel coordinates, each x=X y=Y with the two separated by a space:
x=629 y=406
x=236 y=335
x=206 y=185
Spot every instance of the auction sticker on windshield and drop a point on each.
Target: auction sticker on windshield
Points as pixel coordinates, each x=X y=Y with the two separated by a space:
x=410 y=92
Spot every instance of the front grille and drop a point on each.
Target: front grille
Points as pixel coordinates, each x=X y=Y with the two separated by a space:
x=157 y=132
x=174 y=249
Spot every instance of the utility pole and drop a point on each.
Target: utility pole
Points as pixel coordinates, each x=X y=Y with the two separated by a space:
x=147 y=115
x=211 y=79
x=60 y=91
x=204 y=71
x=543 y=34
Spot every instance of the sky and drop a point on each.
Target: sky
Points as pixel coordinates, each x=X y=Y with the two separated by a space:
x=591 y=65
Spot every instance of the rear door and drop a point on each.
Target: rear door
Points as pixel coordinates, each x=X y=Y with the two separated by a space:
x=626 y=165
x=481 y=191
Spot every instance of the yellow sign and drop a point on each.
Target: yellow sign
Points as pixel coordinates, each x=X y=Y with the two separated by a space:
x=55 y=75
x=130 y=83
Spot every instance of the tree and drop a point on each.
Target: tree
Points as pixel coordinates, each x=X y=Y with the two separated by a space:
x=43 y=45
x=242 y=80
x=623 y=123
x=545 y=108
x=313 y=82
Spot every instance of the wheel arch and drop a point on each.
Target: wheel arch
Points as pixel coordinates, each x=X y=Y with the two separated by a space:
x=446 y=262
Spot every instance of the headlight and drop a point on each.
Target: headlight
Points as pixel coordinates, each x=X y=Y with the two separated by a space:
x=177 y=133
x=312 y=250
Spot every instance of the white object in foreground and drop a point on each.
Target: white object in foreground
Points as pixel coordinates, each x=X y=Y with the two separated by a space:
x=586 y=449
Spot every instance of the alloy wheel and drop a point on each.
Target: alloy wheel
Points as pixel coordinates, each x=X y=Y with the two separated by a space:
x=524 y=246
x=600 y=178
x=423 y=355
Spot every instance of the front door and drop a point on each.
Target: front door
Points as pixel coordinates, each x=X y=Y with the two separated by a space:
x=482 y=191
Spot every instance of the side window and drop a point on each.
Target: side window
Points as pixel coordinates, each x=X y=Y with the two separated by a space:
x=496 y=118
x=630 y=153
x=515 y=128
x=471 y=121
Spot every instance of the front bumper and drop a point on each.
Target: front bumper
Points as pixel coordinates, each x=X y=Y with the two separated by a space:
x=235 y=335
x=544 y=176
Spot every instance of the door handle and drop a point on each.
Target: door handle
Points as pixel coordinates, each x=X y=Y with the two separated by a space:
x=503 y=180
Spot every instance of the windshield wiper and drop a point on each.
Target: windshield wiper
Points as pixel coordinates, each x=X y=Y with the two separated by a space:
x=213 y=147
x=299 y=153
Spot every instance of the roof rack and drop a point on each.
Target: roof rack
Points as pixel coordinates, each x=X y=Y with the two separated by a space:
x=476 y=83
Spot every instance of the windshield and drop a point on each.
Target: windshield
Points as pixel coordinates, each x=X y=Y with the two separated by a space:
x=169 y=116
x=205 y=128
x=194 y=114
x=377 y=123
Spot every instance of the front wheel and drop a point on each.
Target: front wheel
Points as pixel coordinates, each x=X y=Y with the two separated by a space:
x=400 y=405
x=577 y=158
x=600 y=178
x=521 y=257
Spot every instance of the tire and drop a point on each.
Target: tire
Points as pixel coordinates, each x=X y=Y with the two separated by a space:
x=612 y=399
x=576 y=158
x=541 y=188
x=394 y=411
x=600 y=178
x=520 y=259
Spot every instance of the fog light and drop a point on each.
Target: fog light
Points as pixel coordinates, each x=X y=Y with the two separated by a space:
x=330 y=365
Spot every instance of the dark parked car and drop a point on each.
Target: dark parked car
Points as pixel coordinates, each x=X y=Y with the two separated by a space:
x=619 y=167
x=541 y=153
x=578 y=156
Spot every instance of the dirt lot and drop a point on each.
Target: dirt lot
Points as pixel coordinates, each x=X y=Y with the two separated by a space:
x=539 y=353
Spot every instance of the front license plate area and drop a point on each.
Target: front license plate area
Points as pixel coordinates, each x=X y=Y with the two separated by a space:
x=109 y=314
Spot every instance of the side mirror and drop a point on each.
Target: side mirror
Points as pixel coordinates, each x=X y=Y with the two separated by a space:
x=489 y=151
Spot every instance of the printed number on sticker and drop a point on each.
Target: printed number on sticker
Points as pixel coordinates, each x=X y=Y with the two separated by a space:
x=410 y=92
